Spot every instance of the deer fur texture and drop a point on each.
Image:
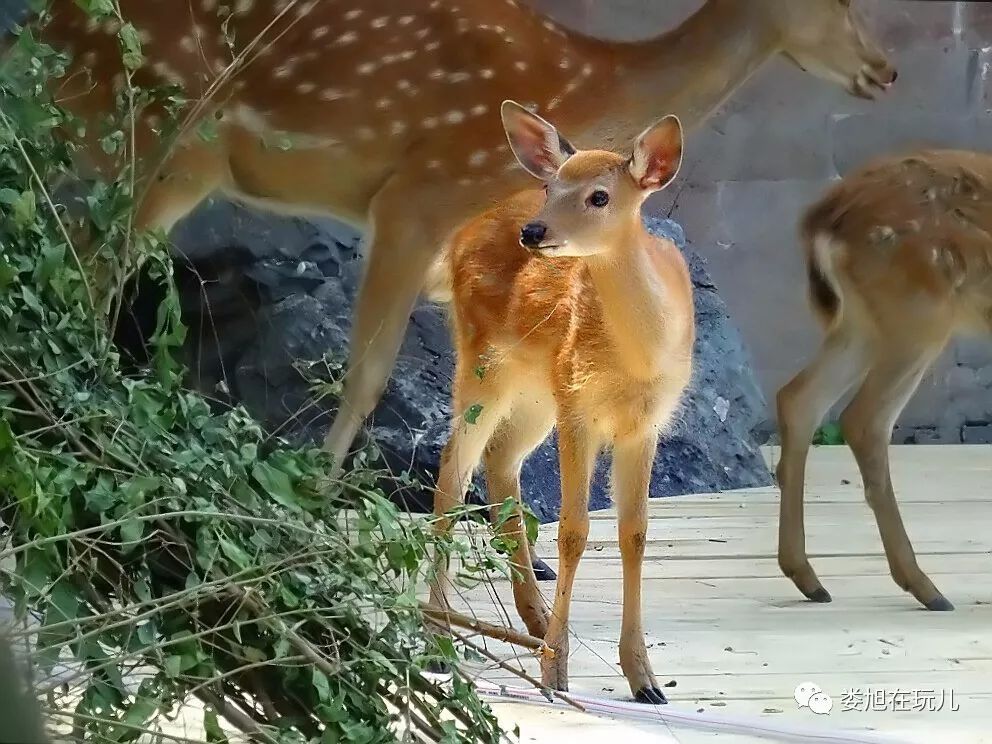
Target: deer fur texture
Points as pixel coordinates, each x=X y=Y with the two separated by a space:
x=899 y=258
x=568 y=313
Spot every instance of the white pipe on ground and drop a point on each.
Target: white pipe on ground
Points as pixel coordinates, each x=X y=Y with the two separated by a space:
x=756 y=727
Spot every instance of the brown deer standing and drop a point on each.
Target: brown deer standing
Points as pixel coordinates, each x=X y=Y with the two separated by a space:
x=387 y=109
x=582 y=321
x=899 y=258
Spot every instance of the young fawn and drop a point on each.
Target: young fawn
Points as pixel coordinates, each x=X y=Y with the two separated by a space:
x=898 y=263
x=581 y=320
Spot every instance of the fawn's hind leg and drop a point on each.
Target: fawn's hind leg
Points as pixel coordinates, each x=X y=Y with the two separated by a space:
x=524 y=429
x=459 y=459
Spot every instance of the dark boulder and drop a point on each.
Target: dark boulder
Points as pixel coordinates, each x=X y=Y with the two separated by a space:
x=285 y=299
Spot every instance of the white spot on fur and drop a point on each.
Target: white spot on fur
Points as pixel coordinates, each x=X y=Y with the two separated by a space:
x=320 y=32
x=406 y=20
x=397 y=128
x=486 y=73
x=331 y=94
x=305 y=88
x=479 y=110
x=383 y=103
x=187 y=44
x=380 y=22
x=478 y=158
x=429 y=123
x=243 y=6
x=454 y=117
x=349 y=37
x=366 y=68
x=458 y=77
x=522 y=66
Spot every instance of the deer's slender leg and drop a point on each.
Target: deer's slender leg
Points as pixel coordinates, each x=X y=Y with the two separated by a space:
x=577 y=454
x=867 y=427
x=632 y=463
x=525 y=428
x=460 y=457
x=841 y=363
x=398 y=257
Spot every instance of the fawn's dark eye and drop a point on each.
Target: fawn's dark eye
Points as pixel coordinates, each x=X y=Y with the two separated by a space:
x=599 y=198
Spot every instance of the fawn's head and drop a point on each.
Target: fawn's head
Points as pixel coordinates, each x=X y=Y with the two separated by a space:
x=592 y=193
x=829 y=39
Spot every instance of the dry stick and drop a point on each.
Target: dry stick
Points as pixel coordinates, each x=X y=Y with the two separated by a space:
x=238 y=718
x=496 y=632
x=523 y=675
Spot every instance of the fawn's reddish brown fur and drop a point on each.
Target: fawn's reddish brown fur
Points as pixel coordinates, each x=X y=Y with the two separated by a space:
x=581 y=321
x=899 y=256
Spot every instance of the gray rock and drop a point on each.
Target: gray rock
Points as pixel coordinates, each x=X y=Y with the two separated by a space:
x=307 y=273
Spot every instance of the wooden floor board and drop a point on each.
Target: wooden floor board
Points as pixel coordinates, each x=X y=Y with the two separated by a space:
x=735 y=636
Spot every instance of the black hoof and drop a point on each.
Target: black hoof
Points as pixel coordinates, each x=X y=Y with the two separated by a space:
x=940 y=604
x=438 y=669
x=543 y=571
x=820 y=595
x=651 y=696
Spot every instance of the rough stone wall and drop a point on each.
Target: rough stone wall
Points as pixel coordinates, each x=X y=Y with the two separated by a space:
x=776 y=146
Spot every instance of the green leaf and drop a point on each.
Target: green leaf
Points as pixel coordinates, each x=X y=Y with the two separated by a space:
x=131 y=43
x=211 y=727
x=321 y=685
x=131 y=532
x=276 y=484
x=173 y=666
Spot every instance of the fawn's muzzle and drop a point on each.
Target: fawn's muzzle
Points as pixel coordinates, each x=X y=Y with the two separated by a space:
x=533 y=234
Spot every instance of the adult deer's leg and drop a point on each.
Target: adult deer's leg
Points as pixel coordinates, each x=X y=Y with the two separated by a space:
x=867 y=426
x=632 y=463
x=577 y=454
x=524 y=429
x=460 y=457
x=399 y=254
x=802 y=403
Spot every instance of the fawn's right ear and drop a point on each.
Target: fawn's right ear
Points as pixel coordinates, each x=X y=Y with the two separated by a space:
x=537 y=145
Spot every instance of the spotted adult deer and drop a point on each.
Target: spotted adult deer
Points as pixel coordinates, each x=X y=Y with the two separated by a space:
x=582 y=321
x=899 y=258
x=386 y=106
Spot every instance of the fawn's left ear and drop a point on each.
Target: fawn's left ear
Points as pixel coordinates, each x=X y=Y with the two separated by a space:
x=657 y=155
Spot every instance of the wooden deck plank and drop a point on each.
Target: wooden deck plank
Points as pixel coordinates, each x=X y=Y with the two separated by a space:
x=736 y=637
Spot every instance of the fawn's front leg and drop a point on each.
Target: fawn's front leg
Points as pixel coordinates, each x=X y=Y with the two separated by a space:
x=577 y=456
x=632 y=463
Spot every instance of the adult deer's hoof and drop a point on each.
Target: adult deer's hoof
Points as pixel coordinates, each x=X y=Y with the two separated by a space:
x=940 y=603
x=651 y=696
x=543 y=571
x=820 y=595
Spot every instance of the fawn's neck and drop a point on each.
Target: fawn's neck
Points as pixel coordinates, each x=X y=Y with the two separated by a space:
x=689 y=71
x=637 y=305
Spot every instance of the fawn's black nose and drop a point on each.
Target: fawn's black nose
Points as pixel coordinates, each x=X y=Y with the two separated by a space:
x=532 y=234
